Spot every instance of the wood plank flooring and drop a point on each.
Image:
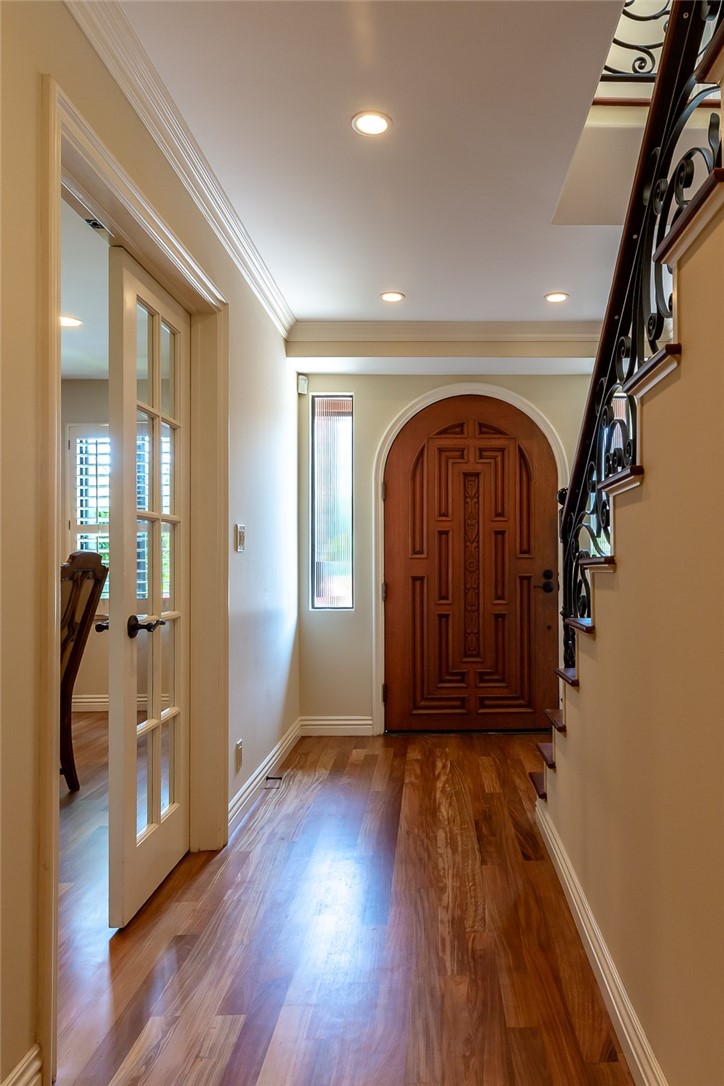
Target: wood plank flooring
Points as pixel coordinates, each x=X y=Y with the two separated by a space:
x=386 y=917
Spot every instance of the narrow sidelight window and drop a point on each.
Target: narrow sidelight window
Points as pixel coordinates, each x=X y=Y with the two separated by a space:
x=332 y=583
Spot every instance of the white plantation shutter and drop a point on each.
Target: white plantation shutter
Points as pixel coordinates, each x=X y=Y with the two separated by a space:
x=89 y=472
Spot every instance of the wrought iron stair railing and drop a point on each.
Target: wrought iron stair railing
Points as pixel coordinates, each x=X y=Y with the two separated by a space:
x=636 y=48
x=636 y=333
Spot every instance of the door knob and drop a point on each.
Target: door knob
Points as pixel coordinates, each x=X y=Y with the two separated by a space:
x=134 y=625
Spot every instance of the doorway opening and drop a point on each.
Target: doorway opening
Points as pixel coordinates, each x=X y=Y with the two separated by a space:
x=83 y=170
x=84 y=504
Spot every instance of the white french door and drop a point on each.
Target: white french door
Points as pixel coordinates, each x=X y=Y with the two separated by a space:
x=148 y=665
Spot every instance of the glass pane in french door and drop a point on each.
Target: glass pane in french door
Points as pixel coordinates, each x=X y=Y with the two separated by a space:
x=167 y=468
x=168 y=370
x=144 y=763
x=144 y=461
x=168 y=594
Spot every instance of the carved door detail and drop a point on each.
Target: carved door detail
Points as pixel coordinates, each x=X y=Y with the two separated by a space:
x=470 y=527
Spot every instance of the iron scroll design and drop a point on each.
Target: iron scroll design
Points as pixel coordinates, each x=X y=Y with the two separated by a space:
x=639 y=39
x=638 y=321
x=635 y=53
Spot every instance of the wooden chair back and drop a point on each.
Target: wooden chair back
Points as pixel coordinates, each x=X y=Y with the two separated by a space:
x=82 y=578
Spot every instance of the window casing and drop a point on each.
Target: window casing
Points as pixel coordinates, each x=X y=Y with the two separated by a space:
x=332 y=567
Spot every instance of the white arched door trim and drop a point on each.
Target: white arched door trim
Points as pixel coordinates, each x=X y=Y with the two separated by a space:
x=444 y=392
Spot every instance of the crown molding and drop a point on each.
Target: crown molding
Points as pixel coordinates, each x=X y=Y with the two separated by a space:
x=334 y=333
x=111 y=35
x=486 y=346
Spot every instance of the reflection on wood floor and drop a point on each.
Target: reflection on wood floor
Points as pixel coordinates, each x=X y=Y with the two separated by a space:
x=386 y=917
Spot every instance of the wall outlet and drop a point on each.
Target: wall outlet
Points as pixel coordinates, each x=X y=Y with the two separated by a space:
x=238 y=754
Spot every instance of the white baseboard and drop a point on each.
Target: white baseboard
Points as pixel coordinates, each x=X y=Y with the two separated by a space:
x=28 y=1072
x=336 y=725
x=255 y=783
x=90 y=703
x=642 y=1062
x=98 y=703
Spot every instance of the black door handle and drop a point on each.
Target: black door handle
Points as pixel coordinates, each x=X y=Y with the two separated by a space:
x=134 y=625
x=547 y=585
x=102 y=624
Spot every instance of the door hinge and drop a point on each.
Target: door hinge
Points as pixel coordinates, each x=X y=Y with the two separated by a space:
x=384 y=693
x=383 y=491
x=383 y=590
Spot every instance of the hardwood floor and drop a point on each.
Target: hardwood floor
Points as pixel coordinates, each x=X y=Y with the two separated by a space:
x=386 y=917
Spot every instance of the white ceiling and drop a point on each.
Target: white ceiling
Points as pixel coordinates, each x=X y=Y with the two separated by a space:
x=455 y=205
x=495 y=184
x=84 y=294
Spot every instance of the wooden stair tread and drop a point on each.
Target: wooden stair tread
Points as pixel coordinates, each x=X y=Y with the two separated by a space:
x=583 y=625
x=598 y=561
x=556 y=718
x=623 y=479
x=645 y=375
x=547 y=754
x=539 y=783
x=568 y=674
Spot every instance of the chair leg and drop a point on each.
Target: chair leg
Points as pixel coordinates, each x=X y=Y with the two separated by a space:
x=67 y=761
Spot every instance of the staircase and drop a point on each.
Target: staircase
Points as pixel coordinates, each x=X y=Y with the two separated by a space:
x=672 y=188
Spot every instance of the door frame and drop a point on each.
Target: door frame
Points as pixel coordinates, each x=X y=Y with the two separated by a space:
x=76 y=160
x=444 y=392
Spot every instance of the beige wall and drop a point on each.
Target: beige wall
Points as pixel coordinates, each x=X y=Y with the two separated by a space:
x=38 y=39
x=337 y=648
x=637 y=799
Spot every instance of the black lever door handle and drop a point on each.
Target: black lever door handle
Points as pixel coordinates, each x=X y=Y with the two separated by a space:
x=102 y=625
x=548 y=585
x=134 y=625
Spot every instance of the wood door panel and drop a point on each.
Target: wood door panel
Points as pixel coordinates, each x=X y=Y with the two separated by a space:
x=470 y=638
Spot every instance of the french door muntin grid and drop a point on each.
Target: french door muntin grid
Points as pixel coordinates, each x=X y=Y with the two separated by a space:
x=157 y=430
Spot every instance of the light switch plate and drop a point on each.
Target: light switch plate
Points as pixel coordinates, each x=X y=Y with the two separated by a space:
x=239 y=537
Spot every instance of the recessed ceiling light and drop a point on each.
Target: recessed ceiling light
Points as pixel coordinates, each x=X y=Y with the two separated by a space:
x=370 y=123
x=392 y=296
x=70 y=322
x=556 y=296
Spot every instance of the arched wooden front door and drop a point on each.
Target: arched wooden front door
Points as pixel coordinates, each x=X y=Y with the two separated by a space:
x=470 y=570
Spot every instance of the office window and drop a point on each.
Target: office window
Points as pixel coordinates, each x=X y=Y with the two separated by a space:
x=89 y=499
x=332 y=573
x=89 y=473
